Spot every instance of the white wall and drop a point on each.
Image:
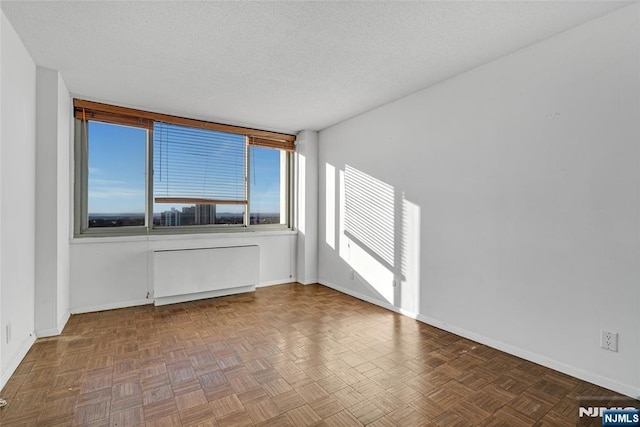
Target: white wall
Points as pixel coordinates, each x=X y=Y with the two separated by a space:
x=17 y=179
x=64 y=202
x=512 y=192
x=52 y=203
x=110 y=272
x=307 y=206
x=46 y=214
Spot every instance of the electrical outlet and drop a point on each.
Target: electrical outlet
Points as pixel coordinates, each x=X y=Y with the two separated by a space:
x=609 y=340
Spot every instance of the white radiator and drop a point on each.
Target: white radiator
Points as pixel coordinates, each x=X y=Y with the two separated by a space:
x=189 y=274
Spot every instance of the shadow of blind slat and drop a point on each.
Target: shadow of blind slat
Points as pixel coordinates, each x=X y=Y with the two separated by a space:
x=369 y=212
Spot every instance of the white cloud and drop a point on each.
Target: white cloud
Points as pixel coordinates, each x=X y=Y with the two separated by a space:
x=98 y=181
x=115 y=193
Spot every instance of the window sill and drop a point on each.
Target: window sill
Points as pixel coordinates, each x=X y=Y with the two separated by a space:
x=179 y=235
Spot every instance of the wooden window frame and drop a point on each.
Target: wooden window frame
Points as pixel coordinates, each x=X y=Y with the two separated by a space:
x=85 y=111
x=89 y=110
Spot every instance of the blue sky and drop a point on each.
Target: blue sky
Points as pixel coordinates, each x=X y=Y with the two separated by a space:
x=116 y=168
x=264 y=187
x=117 y=173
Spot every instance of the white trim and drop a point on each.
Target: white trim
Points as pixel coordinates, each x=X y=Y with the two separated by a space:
x=163 y=301
x=243 y=233
x=203 y=295
x=111 y=306
x=45 y=333
x=275 y=282
x=63 y=321
x=15 y=362
x=358 y=295
x=626 y=389
x=52 y=332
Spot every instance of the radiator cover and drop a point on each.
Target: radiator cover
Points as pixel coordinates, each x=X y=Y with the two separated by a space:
x=195 y=273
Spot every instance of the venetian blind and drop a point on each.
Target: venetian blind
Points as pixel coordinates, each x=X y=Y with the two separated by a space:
x=193 y=165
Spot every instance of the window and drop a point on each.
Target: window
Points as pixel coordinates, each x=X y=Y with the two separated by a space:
x=138 y=171
x=199 y=176
x=116 y=175
x=268 y=173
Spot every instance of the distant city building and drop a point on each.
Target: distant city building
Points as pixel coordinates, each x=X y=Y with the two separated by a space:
x=171 y=218
x=205 y=214
x=188 y=216
x=199 y=214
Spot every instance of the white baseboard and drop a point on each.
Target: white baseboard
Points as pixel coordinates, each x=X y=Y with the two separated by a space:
x=203 y=295
x=52 y=332
x=13 y=365
x=103 y=307
x=44 y=333
x=626 y=389
x=274 y=282
x=166 y=300
x=360 y=296
x=63 y=321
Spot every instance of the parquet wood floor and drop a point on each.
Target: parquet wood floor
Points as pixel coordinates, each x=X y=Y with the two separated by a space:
x=284 y=355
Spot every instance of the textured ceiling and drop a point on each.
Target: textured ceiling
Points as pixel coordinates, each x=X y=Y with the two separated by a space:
x=277 y=65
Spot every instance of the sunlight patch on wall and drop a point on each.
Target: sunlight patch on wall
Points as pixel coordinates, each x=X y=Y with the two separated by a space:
x=374 y=272
x=302 y=175
x=410 y=249
x=343 y=242
x=366 y=224
x=369 y=213
x=330 y=204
